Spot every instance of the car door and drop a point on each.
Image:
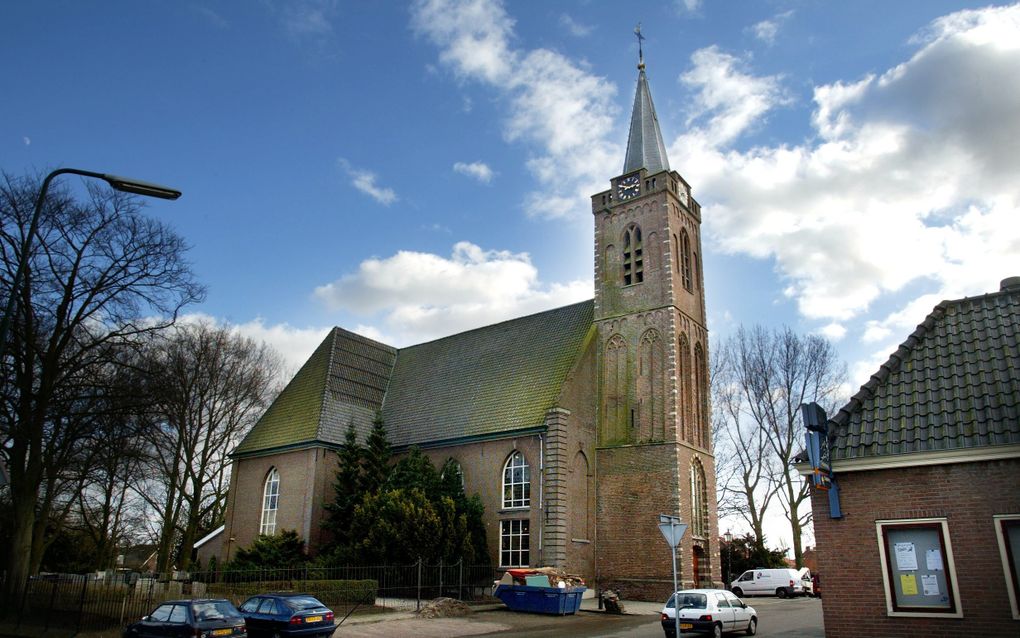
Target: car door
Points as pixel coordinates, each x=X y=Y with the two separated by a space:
x=724 y=610
x=269 y=617
x=178 y=625
x=740 y=613
x=255 y=623
x=746 y=582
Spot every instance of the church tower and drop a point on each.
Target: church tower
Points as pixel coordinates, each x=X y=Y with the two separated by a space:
x=653 y=425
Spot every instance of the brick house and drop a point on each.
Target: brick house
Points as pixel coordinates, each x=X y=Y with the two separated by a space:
x=927 y=459
x=576 y=426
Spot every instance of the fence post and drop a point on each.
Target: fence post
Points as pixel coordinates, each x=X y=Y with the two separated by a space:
x=81 y=601
x=440 y=576
x=460 y=579
x=417 y=602
x=49 y=611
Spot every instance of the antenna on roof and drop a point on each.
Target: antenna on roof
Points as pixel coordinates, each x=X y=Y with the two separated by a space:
x=641 y=53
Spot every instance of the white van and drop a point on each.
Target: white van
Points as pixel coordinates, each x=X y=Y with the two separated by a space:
x=784 y=583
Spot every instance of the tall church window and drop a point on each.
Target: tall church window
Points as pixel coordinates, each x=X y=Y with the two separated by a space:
x=651 y=390
x=676 y=253
x=685 y=401
x=516 y=481
x=633 y=256
x=514 y=543
x=701 y=398
x=270 y=502
x=699 y=500
x=685 y=259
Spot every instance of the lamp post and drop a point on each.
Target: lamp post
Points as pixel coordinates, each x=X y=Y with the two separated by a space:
x=728 y=537
x=124 y=184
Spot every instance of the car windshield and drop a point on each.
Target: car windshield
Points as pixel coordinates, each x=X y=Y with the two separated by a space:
x=214 y=610
x=688 y=600
x=298 y=603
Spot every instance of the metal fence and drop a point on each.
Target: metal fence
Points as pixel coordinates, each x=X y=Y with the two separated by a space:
x=111 y=600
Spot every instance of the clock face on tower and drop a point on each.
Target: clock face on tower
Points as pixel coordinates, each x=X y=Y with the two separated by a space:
x=628 y=186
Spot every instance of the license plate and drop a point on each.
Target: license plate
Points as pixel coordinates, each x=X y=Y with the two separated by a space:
x=313 y=619
x=222 y=632
x=686 y=625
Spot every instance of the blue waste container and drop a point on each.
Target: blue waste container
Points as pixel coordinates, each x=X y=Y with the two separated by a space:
x=540 y=600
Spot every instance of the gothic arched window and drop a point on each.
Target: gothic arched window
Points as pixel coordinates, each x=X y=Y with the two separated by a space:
x=699 y=500
x=270 y=502
x=701 y=416
x=685 y=259
x=685 y=401
x=633 y=256
x=516 y=481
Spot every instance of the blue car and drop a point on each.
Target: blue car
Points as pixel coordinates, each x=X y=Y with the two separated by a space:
x=287 y=616
x=208 y=618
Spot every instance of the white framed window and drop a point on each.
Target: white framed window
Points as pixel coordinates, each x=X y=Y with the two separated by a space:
x=270 y=502
x=514 y=543
x=918 y=572
x=1007 y=532
x=516 y=481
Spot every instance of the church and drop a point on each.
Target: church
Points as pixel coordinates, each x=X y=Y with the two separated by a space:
x=577 y=426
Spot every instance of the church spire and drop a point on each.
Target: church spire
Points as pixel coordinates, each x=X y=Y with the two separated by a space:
x=644 y=145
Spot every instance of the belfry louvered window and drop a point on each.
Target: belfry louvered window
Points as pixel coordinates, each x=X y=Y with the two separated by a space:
x=633 y=256
x=685 y=259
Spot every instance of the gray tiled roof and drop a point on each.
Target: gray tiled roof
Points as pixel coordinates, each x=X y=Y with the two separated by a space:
x=953 y=384
x=499 y=378
x=644 y=144
x=494 y=379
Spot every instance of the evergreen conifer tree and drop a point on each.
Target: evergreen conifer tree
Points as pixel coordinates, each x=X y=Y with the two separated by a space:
x=348 y=486
x=376 y=466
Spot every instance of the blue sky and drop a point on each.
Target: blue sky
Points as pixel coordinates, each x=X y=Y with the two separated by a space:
x=413 y=170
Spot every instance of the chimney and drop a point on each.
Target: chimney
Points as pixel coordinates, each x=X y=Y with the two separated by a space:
x=1010 y=284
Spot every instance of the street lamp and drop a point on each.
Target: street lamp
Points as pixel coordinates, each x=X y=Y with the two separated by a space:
x=125 y=184
x=728 y=537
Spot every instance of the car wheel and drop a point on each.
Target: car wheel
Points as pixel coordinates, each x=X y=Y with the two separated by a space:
x=717 y=631
x=781 y=592
x=752 y=627
x=738 y=592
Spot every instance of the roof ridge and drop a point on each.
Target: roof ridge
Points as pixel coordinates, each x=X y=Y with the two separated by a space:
x=493 y=325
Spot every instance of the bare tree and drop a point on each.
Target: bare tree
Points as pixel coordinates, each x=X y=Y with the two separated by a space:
x=746 y=467
x=774 y=372
x=209 y=385
x=98 y=274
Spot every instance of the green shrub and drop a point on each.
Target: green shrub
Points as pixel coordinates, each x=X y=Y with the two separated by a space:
x=330 y=592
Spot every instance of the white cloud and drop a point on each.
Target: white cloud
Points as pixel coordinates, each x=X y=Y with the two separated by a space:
x=477 y=170
x=554 y=105
x=27 y=140
x=575 y=28
x=834 y=331
x=365 y=181
x=767 y=30
x=911 y=179
x=687 y=6
x=421 y=296
x=293 y=344
x=306 y=18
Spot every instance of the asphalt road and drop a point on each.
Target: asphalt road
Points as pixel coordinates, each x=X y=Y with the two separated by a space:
x=797 y=618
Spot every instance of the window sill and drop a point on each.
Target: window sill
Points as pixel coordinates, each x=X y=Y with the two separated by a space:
x=514 y=510
x=582 y=541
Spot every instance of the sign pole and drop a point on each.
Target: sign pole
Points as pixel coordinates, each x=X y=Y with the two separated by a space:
x=673 y=530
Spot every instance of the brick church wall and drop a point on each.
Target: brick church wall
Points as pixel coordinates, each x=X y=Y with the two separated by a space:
x=850 y=569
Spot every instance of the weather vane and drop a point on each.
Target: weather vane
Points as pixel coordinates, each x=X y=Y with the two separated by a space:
x=641 y=53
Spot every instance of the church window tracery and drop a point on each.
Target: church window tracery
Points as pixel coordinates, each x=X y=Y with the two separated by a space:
x=701 y=416
x=633 y=256
x=516 y=481
x=685 y=400
x=270 y=502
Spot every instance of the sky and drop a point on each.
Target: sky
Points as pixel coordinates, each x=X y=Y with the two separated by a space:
x=412 y=170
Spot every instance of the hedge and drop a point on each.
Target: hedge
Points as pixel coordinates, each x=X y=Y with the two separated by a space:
x=330 y=592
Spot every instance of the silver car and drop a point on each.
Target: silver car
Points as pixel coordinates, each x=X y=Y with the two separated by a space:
x=708 y=611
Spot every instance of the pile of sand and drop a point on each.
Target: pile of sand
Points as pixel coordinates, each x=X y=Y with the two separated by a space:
x=444 y=608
